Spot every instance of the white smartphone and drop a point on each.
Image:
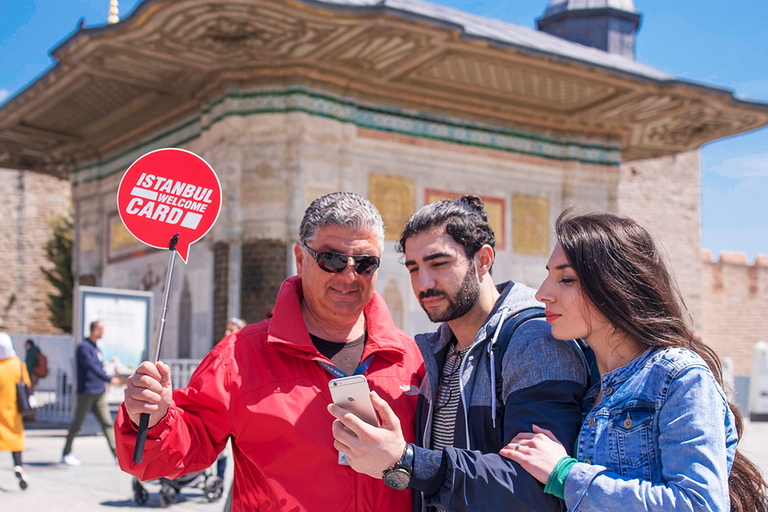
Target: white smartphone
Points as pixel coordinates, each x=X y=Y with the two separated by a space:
x=352 y=394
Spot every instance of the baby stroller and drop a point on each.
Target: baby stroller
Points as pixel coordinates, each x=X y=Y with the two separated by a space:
x=207 y=480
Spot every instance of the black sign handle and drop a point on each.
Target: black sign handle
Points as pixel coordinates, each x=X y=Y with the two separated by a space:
x=141 y=436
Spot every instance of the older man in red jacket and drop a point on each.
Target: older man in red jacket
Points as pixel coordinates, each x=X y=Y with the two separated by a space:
x=266 y=387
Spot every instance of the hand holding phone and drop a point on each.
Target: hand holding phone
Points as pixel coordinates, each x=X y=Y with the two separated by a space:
x=352 y=394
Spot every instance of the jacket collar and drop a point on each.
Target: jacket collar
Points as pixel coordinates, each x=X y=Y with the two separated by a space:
x=514 y=297
x=622 y=373
x=288 y=332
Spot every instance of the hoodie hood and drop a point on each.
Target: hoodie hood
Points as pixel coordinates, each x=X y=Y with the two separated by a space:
x=514 y=298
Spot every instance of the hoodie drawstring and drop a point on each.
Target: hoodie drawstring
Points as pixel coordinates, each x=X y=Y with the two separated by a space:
x=493 y=366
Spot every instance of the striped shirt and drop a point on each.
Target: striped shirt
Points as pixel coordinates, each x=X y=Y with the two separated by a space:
x=447 y=399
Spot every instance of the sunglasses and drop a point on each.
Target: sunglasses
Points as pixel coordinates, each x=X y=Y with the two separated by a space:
x=336 y=262
x=444 y=389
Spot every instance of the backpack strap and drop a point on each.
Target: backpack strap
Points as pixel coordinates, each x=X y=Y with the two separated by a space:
x=508 y=330
x=593 y=374
x=502 y=342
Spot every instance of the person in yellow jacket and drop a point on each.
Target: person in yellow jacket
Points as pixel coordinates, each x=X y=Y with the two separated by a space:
x=11 y=425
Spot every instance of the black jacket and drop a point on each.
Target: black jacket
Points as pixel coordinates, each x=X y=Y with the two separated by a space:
x=90 y=369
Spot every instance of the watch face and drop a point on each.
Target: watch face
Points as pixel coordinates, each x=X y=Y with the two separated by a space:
x=397 y=479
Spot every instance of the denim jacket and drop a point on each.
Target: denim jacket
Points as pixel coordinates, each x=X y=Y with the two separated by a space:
x=661 y=438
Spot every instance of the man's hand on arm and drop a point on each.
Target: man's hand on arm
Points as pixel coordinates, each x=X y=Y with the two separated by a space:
x=149 y=391
x=369 y=450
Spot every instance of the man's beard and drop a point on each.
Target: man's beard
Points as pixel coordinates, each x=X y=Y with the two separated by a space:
x=458 y=305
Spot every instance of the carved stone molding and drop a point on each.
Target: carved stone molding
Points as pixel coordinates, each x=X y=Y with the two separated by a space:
x=377 y=50
x=212 y=34
x=692 y=128
x=85 y=103
x=523 y=82
x=642 y=109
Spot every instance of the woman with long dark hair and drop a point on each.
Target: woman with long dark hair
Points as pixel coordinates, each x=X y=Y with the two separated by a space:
x=658 y=432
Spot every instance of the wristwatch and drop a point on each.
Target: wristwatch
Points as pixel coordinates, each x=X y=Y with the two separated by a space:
x=399 y=476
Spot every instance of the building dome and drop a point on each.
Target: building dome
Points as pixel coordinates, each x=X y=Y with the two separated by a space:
x=558 y=6
x=609 y=25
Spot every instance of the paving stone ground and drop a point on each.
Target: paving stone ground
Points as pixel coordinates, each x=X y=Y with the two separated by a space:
x=99 y=484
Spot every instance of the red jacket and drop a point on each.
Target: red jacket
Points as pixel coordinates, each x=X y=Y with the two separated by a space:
x=264 y=388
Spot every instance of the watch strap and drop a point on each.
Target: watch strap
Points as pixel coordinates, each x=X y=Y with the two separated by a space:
x=399 y=476
x=406 y=460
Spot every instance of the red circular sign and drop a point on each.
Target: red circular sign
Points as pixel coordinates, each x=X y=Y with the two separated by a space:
x=169 y=191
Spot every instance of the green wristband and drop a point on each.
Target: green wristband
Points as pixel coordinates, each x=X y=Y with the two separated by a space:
x=556 y=483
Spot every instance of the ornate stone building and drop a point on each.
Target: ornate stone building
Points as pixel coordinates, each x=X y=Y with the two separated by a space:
x=401 y=101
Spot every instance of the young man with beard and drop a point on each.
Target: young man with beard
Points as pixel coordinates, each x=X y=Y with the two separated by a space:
x=462 y=420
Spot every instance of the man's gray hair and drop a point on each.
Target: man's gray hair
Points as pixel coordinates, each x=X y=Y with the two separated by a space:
x=343 y=209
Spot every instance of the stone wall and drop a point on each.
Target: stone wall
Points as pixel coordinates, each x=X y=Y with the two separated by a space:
x=29 y=202
x=220 y=289
x=272 y=165
x=664 y=195
x=734 y=306
x=523 y=194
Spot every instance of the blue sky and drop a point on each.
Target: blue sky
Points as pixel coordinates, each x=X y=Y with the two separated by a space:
x=709 y=41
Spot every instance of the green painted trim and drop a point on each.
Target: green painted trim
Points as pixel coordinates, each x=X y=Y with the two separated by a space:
x=291 y=90
x=299 y=98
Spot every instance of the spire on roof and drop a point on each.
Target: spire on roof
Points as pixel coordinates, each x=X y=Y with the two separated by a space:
x=113 y=17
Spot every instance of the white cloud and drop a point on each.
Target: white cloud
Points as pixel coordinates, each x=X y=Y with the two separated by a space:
x=752 y=90
x=3 y=95
x=745 y=166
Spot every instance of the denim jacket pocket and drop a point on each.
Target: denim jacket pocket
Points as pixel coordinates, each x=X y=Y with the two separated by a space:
x=631 y=440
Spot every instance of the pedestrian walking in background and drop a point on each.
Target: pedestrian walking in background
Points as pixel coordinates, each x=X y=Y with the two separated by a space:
x=91 y=378
x=12 y=371
x=31 y=358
